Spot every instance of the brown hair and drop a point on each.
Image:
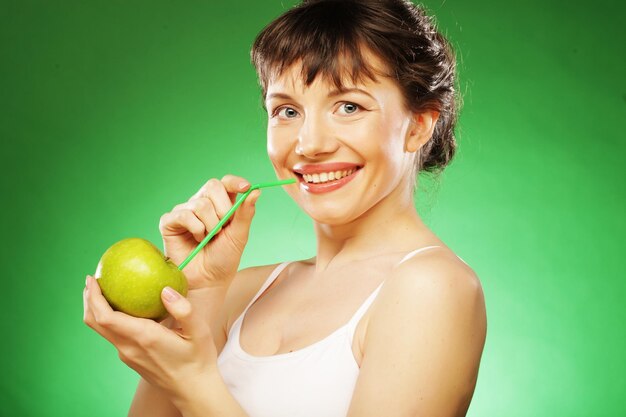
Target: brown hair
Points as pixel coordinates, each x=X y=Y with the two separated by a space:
x=401 y=34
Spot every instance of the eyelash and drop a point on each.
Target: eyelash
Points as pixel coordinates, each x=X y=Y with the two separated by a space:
x=279 y=108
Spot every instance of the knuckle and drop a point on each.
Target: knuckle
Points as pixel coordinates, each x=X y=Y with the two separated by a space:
x=202 y=203
x=123 y=356
x=163 y=220
x=228 y=177
x=87 y=320
x=198 y=229
x=127 y=354
x=104 y=321
x=185 y=311
x=181 y=215
x=214 y=184
x=146 y=340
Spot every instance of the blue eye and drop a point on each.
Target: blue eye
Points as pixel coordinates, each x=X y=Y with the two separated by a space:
x=290 y=112
x=351 y=108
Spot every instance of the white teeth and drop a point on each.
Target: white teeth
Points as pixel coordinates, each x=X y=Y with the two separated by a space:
x=327 y=176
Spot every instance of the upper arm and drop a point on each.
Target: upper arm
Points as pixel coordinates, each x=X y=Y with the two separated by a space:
x=424 y=342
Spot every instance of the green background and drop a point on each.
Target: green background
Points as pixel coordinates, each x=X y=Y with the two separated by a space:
x=112 y=112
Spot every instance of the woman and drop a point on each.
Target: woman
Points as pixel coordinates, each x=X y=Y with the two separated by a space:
x=385 y=320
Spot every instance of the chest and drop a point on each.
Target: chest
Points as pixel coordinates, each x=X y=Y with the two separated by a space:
x=299 y=310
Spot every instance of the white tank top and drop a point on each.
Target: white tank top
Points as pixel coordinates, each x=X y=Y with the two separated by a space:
x=315 y=381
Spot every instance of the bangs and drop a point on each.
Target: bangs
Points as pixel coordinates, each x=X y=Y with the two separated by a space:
x=323 y=39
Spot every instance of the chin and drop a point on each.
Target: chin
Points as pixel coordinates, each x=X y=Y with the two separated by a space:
x=330 y=216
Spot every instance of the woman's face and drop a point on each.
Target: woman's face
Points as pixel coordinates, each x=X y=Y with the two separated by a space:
x=318 y=125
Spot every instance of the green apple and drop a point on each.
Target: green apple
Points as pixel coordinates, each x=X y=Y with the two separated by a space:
x=132 y=273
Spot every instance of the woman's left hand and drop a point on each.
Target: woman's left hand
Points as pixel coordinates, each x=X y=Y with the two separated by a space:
x=168 y=358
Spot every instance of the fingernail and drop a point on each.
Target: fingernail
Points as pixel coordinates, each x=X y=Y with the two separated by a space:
x=170 y=295
x=242 y=185
x=87 y=282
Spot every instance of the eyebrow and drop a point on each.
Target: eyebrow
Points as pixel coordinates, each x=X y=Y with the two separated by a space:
x=333 y=93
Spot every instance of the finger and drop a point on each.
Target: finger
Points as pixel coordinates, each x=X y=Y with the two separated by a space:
x=204 y=210
x=169 y=322
x=231 y=183
x=87 y=314
x=106 y=321
x=192 y=326
x=182 y=220
x=216 y=193
x=242 y=219
x=235 y=184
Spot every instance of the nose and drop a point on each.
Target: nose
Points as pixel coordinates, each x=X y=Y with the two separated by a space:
x=315 y=138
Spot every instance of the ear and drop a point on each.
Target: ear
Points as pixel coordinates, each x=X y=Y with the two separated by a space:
x=421 y=129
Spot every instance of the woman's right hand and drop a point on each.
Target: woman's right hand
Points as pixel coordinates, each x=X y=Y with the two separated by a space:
x=189 y=223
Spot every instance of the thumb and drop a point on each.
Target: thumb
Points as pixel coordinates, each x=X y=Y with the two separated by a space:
x=180 y=309
x=243 y=216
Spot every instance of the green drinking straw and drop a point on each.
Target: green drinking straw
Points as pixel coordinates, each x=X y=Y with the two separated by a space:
x=230 y=213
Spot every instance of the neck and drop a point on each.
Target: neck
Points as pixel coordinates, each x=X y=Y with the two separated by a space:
x=391 y=225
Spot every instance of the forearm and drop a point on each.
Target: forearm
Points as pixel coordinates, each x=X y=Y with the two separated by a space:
x=151 y=401
x=208 y=303
x=208 y=300
x=208 y=397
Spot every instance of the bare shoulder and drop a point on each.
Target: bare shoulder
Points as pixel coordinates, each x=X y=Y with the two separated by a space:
x=431 y=283
x=438 y=268
x=432 y=308
x=244 y=286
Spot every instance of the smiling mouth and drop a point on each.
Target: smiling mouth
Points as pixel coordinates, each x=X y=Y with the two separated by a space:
x=328 y=178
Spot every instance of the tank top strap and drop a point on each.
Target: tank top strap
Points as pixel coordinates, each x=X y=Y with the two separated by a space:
x=410 y=254
x=354 y=321
x=275 y=273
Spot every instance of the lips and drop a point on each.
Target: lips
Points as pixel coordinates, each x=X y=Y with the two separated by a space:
x=325 y=187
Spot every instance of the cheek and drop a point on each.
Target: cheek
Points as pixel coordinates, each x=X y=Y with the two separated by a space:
x=271 y=147
x=383 y=140
x=274 y=142
x=277 y=149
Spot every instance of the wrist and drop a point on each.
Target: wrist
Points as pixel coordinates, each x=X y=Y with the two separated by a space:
x=213 y=281
x=207 y=395
x=191 y=393
x=209 y=290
